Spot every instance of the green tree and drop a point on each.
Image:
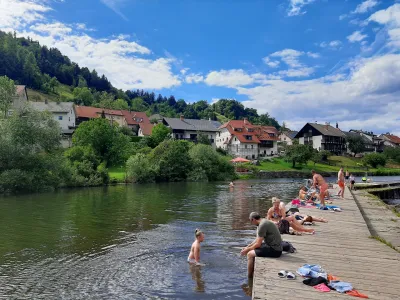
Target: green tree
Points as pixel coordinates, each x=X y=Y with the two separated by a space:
x=159 y=133
x=82 y=82
x=356 y=144
x=202 y=138
x=54 y=83
x=298 y=154
x=139 y=168
x=374 y=160
x=392 y=153
x=107 y=140
x=83 y=96
x=32 y=74
x=138 y=104
x=7 y=94
x=120 y=104
x=171 y=160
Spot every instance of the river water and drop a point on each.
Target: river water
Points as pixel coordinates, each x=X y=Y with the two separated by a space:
x=131 y=242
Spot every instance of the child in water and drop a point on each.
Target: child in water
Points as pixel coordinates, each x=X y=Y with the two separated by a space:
x=194 y=255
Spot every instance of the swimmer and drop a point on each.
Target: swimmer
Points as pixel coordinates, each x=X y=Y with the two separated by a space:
x=231 y=184
x=194 y=255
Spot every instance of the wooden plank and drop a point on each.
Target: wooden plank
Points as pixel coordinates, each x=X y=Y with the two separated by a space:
x=343 y=248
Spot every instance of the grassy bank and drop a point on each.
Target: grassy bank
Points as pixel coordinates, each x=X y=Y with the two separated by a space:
x=333 y=165
x=117 y=173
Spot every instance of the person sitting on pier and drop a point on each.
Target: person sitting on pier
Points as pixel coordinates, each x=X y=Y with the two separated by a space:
x=306 y=195
x=268 y=242
x=277 y=213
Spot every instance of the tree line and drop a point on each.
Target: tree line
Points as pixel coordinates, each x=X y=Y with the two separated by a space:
x=42 y=68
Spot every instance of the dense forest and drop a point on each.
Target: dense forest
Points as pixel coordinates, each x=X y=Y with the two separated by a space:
x=43 y=69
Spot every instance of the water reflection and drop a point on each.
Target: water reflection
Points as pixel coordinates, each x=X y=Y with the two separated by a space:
x=197 y=278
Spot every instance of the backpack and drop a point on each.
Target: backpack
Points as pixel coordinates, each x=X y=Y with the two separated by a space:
x=283 y=226
x=288 y=247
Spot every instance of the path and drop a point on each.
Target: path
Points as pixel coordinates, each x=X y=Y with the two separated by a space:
x=343 y=248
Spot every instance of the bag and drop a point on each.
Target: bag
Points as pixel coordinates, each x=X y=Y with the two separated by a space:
x=288 y=247
x=283 y=227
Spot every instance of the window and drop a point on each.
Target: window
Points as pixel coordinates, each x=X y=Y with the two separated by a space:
x=245 y=146
x=60 y=118
x=238 y=129
x=252 y=147
x=284 y=139
x=235 y=139
x=248 y=137
x=69 y=119
x=250 y=129
x=253 y=156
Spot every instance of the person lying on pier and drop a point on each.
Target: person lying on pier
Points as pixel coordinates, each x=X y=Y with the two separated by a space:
x=303 y=218
x=268 y=242
x=194 y=255
x=277 y=213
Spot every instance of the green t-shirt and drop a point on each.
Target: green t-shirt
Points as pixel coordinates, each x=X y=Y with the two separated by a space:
x=269 y=231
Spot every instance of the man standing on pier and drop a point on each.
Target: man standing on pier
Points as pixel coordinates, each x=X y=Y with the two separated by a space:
x=323 y=186
x=267 y=243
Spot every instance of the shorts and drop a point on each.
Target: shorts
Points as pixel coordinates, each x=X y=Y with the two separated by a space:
x=323 y=188
x=346 y=177
x=266 y=251
x=341 y=184
x=352 y=182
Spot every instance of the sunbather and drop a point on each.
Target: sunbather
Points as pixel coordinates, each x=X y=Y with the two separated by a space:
x=302 y=218
x=277 y=213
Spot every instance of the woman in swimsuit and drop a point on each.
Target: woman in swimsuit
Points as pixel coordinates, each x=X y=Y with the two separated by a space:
x=277 y=213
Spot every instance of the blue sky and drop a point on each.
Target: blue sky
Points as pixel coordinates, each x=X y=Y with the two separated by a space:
x=299 y=60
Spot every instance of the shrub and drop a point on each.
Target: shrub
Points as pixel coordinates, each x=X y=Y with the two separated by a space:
x=374 y=160
x=139 y=168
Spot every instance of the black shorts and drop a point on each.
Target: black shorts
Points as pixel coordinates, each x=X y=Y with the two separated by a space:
x=353 y=182
x=265 y=251
x=347 y=177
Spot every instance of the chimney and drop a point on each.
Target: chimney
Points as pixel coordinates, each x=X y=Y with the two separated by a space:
x=181 y=118
x=337 y=125
x=326 y=125
x=245 y=120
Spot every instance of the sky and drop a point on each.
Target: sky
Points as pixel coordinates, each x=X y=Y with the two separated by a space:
x=299 y=60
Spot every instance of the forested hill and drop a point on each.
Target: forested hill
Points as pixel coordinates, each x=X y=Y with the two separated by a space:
x=48 y=71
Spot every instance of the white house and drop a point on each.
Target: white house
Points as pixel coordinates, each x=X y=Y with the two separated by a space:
x=63 y=113
x=323 y=137
x=189 y=129
x=243 y=139
x=20 y=99
x=287 y=137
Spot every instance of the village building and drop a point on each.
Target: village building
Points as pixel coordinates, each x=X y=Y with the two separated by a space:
x=323 y=137
x=287 y=137
x=145 y=129
x=63 y=113
x=390 y=140
x=189 y=129
x=134 y=119
x=377 y=142
x=368 y=144
x=85 y=113
x=240 y=138
x=19 y=100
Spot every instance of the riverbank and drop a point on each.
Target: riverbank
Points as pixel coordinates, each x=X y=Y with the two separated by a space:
x=343 y=247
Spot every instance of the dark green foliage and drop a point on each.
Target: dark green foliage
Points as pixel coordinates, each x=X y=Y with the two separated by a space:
x=374 y=160
x=159 y=133
x=356 y=144
x=107 y=141
x=202 y=138
x=392 y=153
x=298 y=154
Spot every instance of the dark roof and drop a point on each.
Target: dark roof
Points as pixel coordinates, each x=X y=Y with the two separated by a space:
x=324 y=129
x=192 y=124
x=55 y=107
x=291 y=134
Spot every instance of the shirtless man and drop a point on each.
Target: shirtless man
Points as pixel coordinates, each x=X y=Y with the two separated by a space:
x=323 y=186
x=303 y=193
x=341 y=182
x=194 y=255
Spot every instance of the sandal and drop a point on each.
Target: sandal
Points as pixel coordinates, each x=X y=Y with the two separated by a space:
x=282 y=274
x=290 y=276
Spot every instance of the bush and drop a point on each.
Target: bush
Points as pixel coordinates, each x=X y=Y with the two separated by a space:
x=374 y=160
x=139 y=168
x=392 y=153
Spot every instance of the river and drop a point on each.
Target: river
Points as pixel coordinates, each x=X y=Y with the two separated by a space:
x=131 y=242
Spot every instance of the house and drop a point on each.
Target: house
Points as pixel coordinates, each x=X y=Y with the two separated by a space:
x=323 y=137
x=85 y=113
x=145 y=129
x=63 y=113
x=134 y=119
x=243 y=139
x=390 y=140
x=156 y=118
x=287 y=137
x=369 y=144
x=189 y=129
x=19 y=100
x=378 y=143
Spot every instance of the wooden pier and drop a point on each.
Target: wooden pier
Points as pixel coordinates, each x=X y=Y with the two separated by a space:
x=343 y=247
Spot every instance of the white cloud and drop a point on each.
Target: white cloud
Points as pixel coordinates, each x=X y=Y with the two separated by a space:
x=114 y=5
x=389 y=16
x=194 y=78
x=271 y=63
x=289 y=56
x=334 y=45
x=365 y=6
x=300 y=72
x=313 y=55
x=296 y=6
x=342 y=17
x=123 y=62
x=356 y=36
x=229 y=78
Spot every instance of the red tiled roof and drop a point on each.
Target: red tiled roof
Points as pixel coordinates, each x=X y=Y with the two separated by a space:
x=147 y=128
x=257 y=132
x=133 y=117
x=94 y=112
x=393 y=138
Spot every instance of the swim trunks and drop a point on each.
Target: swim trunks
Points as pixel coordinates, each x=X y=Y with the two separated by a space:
x=323 y=188
x=341 y=184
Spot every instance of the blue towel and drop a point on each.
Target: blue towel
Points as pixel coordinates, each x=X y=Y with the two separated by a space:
x=341 y=286
x=313 y=271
